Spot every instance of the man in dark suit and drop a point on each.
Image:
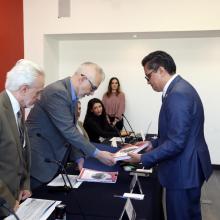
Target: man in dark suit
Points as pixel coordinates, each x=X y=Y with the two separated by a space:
x=23 y=86
x=52 y=125
x=180 y=150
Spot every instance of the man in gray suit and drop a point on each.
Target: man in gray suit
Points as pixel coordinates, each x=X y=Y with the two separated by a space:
x=52 y=125
x=23 y=86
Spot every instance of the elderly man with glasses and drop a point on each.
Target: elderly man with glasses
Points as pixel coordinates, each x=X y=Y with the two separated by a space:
x=52 y=127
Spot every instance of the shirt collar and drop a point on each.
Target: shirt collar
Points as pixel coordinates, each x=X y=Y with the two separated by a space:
x=14 y=102
x=73 y=92
x=168 y=83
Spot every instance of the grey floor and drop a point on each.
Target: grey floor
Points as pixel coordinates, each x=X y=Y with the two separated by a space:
x=210 y=199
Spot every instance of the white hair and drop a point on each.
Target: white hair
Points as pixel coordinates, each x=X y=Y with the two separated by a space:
x=24 y=72
x=98 y=69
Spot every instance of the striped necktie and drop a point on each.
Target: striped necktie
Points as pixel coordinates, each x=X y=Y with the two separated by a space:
x=21 y=128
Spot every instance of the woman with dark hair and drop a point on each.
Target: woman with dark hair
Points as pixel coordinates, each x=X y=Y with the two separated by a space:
x=96 y=124
x=114 y=102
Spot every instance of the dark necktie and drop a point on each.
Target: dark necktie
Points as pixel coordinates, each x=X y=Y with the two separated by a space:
x=21 y=125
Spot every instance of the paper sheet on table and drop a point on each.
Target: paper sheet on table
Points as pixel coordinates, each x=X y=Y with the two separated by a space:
x=114 y=143
x=134 y=196
x=118 y=139
x=58 y=181
x=35 y=209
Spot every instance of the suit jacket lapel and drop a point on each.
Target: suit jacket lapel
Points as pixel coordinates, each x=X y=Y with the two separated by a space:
x=73 y=104
x=171 y=86
x=169 y=90
x=12 y=121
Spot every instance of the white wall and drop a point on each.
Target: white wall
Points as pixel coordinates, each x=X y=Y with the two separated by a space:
x=109 y=16
x=197 y=58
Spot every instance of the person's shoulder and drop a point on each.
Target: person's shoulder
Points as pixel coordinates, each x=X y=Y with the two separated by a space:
x=104 y=95
x=59 y=84
x=2 y=95
x=121 y=94
x=57 y=87
x=4 y=99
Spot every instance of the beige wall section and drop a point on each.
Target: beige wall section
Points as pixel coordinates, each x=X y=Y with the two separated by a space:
x=101 y=31
x=101 y=16
x=197 y=61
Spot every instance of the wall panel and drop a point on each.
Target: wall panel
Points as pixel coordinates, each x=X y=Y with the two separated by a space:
x=11 y=35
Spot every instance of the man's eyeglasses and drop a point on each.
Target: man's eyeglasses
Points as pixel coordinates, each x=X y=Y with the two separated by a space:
x=148 y=76
x=93 y=87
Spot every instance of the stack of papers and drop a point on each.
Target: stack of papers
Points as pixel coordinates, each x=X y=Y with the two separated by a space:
x=89 y=175
x=35 y=209
x=122 y=154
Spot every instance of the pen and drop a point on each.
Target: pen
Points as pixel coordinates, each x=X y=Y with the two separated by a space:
x=47 y=208
x=119 y=196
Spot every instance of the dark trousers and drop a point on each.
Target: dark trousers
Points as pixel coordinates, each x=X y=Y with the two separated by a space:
x=183 y=204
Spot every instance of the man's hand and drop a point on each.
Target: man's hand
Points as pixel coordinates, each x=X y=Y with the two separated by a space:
x=135 y=158
x=106 y=158
x=24 y=194
x=16 y=206
x=80 y=163
x=148 y=148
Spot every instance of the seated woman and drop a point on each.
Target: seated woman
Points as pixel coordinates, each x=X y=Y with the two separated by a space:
x=96 y=124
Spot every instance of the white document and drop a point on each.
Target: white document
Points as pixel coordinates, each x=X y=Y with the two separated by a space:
x=118 y=139
x=58 y=181
x=35 y=209
x=133 y=196
x=145 y=170
x=114 y=142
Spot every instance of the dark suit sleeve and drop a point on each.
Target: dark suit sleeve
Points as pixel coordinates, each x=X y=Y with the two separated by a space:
x=6 y=194
x=4 y=189
x=176 y=117
x=58 y=108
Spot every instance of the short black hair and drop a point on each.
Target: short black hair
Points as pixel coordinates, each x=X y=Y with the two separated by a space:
x=160 y=58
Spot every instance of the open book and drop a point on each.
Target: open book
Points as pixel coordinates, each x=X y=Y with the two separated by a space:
x=122 y=154
x=89 y=175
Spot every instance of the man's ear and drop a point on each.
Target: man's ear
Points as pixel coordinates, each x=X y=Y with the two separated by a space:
x=162 y=71
x=23 y=89
x=82 y=79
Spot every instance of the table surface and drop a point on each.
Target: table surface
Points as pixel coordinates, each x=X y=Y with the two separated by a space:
x=96 y=201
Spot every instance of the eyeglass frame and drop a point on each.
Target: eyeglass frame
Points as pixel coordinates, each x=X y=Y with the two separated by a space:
x=148 y=76
x=93 y=87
